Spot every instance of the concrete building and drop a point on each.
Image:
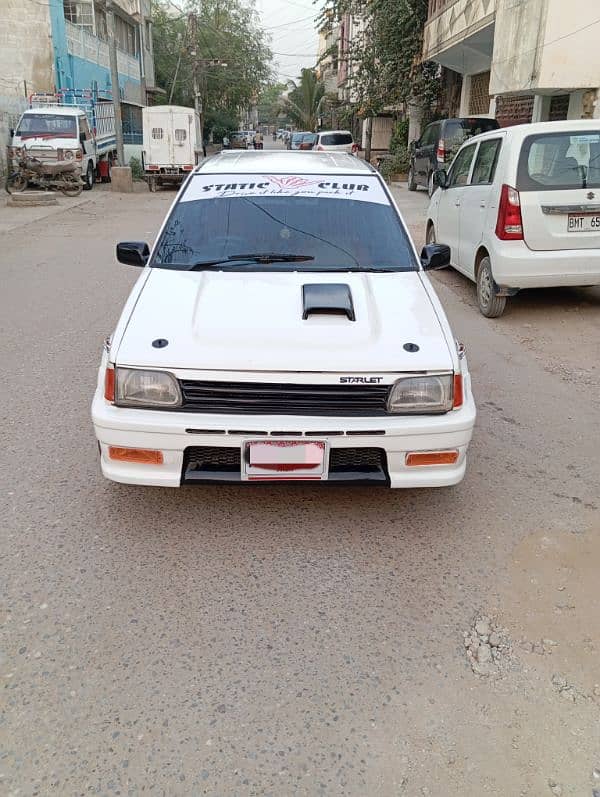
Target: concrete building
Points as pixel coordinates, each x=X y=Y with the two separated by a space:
x=62 y=44
x=520 y=60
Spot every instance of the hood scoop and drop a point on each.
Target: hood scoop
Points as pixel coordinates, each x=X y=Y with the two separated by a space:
x=327 y=298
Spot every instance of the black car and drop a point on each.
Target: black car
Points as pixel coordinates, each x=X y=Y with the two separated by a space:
x=438 y=145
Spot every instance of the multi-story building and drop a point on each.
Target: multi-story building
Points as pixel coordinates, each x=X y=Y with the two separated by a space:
x=520 y=60
x=62 y=44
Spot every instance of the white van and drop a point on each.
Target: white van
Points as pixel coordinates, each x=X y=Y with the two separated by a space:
x=172 y=144
x=520 y=208
x=334 y=141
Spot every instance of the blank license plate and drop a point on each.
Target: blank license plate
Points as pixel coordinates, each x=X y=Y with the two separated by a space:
x=588 y=222
x=283 y=459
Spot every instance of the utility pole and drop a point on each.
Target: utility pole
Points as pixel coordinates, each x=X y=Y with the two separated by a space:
x=193 y=30
x=114 y=80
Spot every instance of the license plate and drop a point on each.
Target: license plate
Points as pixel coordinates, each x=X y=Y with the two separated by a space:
x=289 y=460
x=585 y=222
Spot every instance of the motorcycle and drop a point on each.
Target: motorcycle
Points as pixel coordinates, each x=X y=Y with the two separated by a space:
x=61 y=176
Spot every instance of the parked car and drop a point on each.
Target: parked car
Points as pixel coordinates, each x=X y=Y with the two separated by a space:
x=217 y=370
x=520 y=208
x=438 y=145
x=298 y=137
x=334 y=141
x=238 y=141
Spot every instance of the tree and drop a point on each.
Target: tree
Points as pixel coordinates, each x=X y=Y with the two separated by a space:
x=270 y=103
x=304 y=100
x=227 y=30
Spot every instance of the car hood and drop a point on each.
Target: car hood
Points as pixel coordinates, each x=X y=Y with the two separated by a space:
x=252 y=321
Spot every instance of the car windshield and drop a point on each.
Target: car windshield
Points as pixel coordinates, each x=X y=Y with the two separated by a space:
x=286 y=223
x=457 y=131
x=47 y=126
x=335 y=139
x=552 y=161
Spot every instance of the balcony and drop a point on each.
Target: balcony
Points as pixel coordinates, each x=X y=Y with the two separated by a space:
x=94 y=50
x=459 y=34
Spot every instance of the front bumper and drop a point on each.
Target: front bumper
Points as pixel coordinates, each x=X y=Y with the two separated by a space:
x=175 y=432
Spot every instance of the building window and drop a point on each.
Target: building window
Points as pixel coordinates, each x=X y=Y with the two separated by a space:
x=157 y=133
x=125 y=36
x=101 y=30
x=79 y=13
x=479 y=100
x=180 y=135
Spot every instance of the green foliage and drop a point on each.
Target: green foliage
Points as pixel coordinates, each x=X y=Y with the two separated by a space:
x=399 y=140
x=135 y=165
x=305 y=99
x=226 y=29
x=270 y=105
x=386 y=59
x=220 y=122
x=396 y=164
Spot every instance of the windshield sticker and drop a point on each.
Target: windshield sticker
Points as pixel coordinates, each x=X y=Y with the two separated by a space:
x=225 y=186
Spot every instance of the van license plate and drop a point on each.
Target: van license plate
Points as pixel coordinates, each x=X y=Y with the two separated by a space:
x=584 y=222
x=283 y=459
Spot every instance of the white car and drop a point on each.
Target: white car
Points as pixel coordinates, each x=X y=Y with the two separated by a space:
x=283 y=328
x=520 y=208
x=334 y=141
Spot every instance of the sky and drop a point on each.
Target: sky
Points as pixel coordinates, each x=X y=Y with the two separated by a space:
x=294 y=38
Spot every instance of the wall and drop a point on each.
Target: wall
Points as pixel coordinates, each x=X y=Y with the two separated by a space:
x=518 y=32
x=569 y=59
x=25 y=61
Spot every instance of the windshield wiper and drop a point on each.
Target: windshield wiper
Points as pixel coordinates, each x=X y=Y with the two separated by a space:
x=263 y=258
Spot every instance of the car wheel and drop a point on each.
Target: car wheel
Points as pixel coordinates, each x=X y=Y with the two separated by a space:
x=89 y=177
x=431 y=186
x=490 y=304
x=430 y=239
x=412 y=185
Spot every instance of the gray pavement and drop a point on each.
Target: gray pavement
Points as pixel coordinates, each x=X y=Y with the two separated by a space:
x=276 y=641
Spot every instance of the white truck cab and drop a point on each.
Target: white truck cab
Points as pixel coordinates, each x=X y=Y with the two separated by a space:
x=68 y=126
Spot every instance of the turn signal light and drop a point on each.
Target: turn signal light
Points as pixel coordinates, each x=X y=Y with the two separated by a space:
x=431 y=458
x=458 y=391
x=142 y=456
x=109 y=384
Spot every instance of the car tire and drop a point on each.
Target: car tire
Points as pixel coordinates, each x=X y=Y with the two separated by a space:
x=412 y=185
x=431 y=187
x=490 y=304
x=89 y=178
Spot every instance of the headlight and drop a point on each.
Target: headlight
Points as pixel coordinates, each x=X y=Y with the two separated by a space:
x=69 y=154
x=421 y=394
x=136 y=388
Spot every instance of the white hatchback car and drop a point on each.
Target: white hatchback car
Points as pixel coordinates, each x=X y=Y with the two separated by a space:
x=334 y=141
x=283 y=328
x=520 y=208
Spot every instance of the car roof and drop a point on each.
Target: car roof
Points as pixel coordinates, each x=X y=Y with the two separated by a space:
x=57 y=110
x=329 y=132
x=251 y=162
x=535 y=128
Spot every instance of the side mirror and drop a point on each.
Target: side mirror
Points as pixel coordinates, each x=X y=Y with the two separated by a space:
x=133 y=253
x=434 y=256
x=440 y=178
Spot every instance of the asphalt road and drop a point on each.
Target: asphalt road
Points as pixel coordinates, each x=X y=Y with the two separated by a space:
x=277 y=641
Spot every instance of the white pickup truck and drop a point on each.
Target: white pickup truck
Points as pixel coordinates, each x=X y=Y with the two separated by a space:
x=70 y=125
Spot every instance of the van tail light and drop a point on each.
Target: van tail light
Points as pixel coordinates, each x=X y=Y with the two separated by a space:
x=441 y=151
x=109 y=384
x=458 y=392
x=509 y=226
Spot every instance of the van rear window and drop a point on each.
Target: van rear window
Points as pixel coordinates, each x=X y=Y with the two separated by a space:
x=336 y=139
x=553 y=161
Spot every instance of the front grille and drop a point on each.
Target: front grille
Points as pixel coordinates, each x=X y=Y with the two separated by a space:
x=252 y=398
x=208 y=464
